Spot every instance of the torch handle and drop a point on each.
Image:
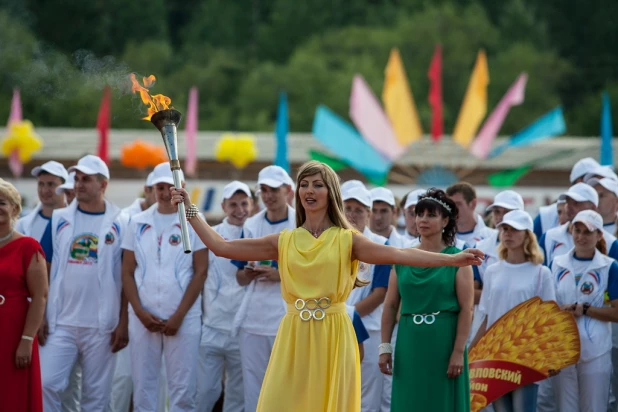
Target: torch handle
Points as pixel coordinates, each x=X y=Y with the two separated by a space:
x=184 y=229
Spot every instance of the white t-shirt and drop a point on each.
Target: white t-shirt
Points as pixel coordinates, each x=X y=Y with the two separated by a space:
x=134 y=208
x=79 y=298
x=39 y=224
x=480 y=232
x=507 y=285
x=610 y=227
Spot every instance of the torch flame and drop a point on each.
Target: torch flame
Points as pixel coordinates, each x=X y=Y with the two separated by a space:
x=155 y=103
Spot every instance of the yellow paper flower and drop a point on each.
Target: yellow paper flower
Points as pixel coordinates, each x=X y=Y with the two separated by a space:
x=240 y=150
x=21 y=137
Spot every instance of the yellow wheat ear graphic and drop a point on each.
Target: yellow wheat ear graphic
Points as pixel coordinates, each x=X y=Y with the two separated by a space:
x=535 y=334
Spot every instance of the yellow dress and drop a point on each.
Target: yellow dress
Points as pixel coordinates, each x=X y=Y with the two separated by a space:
x=315 y=364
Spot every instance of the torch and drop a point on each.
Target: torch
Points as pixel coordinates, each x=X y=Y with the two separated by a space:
x=167 y=121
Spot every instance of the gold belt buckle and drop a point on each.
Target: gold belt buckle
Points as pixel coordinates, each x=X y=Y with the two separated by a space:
x=312 y=308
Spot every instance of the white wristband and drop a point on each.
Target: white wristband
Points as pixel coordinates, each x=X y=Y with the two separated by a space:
x=385 y=348
x=24 y=337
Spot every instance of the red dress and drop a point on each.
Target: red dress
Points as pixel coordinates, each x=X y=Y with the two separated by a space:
x=20 y=389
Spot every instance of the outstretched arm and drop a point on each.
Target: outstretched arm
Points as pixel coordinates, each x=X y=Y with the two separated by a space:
x=264 y=248
x=367 y=251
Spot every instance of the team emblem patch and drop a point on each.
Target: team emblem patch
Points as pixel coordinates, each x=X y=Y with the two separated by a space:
x=174 y=240
x=109 y=238
x=587 y=288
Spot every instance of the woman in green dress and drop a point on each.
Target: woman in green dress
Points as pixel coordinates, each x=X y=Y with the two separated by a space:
x=430 y=372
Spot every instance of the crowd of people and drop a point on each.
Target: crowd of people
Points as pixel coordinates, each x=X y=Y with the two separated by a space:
x=307 y=296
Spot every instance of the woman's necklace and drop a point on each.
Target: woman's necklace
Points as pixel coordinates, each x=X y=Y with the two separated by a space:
x=316 y=233
x=7 y=237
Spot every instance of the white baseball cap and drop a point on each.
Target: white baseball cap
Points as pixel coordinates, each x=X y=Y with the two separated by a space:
x=591 y=219
x=162 y=173
x=583 y=167
x=231 y=188
x=352 y=183
x=603 y=172
x=274 y=176
x=518 y=220
x=412 y=198
x=91 y=165
x=382 y=194
x=68 y=184
x=607 y=183
x=581 y=192
x=149 y=179
x=53 y=168
x=508 y=199
x=358 y=193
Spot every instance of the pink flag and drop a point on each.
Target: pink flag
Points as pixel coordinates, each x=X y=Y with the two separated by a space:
x=371 y=121
x=481 y=146
x=191 y=134
x=16 y=166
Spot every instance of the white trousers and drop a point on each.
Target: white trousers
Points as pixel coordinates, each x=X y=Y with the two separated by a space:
x=545 y=398
x=180 y=353
x=122 y=385
x=372 y=379
x=584 y=387
x=72 y=394
x=59 y=355
x=219 y=356
x=477 y=320
x=254 y=355
x=387 y=388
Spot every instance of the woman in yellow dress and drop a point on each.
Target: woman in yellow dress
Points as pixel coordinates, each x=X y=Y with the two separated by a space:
x=315 y=365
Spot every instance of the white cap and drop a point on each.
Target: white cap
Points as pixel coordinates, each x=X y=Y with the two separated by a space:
x=603 y=171
x=581 y=192
x=53 y=168
x=357 y=193
x=149 y=179
x=382 y=194
x=607 y=183
x=162 y=173
x=583 y=167
x=508 y=199
x=274 y=176
x=351 y=183
x=231 y=188
x=91 y=165
x=518 y=220
x=591 y=219
x=69 y=184
x=412 y=198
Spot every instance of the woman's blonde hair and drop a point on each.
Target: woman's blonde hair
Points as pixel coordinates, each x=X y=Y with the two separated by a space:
x=11 y=194
x=334 y=209
x=532 y=251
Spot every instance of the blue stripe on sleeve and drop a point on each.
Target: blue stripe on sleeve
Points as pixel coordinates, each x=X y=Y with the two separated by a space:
x=381 y=274
x=359 y=328
x=612 y=284
x=46 y=242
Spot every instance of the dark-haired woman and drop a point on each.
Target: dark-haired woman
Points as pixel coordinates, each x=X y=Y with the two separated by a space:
x=583 y=276
x=431 y=366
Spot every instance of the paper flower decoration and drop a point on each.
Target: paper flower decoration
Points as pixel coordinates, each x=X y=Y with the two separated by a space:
x=21 y=137
x=140 y=155
x=240 y=150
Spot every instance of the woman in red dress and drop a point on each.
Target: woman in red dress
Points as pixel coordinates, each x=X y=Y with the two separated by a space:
x=23 y=275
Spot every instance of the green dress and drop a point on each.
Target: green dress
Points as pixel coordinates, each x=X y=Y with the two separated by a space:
x=423 y=350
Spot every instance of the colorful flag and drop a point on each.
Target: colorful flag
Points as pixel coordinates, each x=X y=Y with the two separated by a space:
x=509 y=177
x=103 y=124
x=474 y=106
x=435 y=94
x=15 y=164
x=282 y=129
x=371 y=121
x=345 y=142
x=514 y=96
x=399 y=102
x=607 y=153
x=191 y=134
x=547 y=126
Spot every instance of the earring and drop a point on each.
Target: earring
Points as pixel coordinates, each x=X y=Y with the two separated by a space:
x=442 y=230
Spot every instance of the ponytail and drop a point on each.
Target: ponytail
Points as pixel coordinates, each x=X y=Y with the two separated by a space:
x=602 y=246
